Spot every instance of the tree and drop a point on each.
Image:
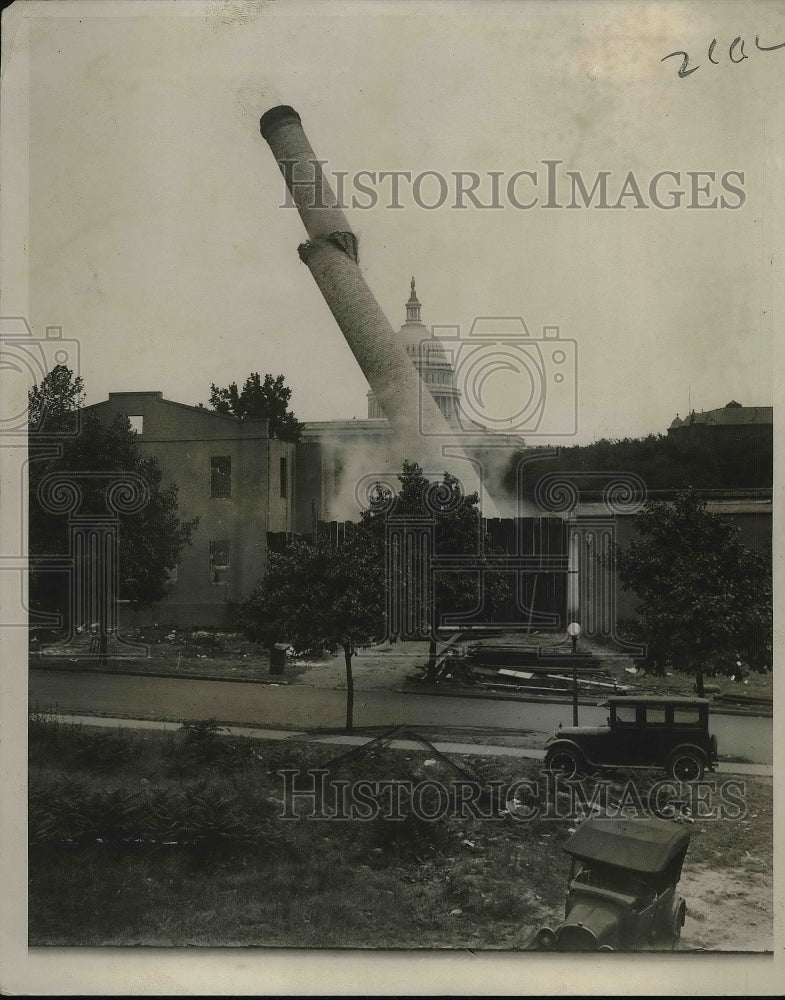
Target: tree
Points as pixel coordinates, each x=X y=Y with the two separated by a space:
x=268 y=399
x=704 y=596
x=458 y=530
x=319 y=596
x=150 y=539
x=663 y=461
x=53 y=405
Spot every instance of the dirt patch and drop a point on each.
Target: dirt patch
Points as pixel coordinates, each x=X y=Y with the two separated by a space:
x=379 y=667
x=213 y=653
x=728 y=909
x=176 y=653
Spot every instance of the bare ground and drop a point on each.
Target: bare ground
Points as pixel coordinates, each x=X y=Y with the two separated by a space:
x=373 y=668
x=729 y=909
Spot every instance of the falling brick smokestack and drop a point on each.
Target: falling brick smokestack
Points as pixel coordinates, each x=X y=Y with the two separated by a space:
x=331 y=256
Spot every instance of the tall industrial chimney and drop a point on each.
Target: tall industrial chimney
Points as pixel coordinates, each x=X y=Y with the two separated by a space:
x=420 y=429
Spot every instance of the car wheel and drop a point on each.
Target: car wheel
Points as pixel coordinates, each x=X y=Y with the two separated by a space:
x=686 y=765
x=679 y=913
x=563 y=761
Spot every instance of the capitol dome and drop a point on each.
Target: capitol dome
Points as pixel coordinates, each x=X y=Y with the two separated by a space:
x=430 y=360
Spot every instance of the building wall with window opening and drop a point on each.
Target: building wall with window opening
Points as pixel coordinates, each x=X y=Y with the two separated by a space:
x=231 y=475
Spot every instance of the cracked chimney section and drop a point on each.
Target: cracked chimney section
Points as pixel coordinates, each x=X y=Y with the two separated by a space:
x=331 y=256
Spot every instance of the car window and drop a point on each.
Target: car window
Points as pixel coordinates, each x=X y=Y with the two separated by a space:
x=655 y=715
x=686 y=716
x=625 y=715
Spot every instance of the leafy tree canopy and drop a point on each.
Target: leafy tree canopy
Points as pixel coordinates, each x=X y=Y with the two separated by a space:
x=705 y=598
x=664 y=462
x=320 y=595
x=458 y=530
x=53 y=405
x=317 y=597
x=267 y=398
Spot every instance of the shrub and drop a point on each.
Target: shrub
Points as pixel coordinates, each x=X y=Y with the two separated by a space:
x=92 y=749
x=199 y=744
x=102 y=750
x=414 y=837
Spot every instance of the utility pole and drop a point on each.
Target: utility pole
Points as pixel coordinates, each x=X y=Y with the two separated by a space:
x=574 y=631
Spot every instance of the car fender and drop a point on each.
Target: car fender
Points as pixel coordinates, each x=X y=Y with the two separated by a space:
x=694 y=748
x=562 y=741
x=556 y=742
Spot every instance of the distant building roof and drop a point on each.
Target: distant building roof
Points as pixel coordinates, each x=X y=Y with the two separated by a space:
x=316 y=430
x=733 y=414
x=145 y=395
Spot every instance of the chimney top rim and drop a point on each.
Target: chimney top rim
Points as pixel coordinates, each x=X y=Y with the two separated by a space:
x=276 y=116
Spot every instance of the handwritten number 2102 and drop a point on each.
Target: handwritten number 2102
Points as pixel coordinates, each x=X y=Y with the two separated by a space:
x=736 y=54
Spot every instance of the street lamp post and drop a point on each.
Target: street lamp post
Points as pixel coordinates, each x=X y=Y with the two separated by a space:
x=574 y=631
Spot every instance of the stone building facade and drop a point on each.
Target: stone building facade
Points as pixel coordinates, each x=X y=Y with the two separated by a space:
x=234 y=477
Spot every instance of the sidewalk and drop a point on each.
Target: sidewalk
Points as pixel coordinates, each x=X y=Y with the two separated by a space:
x=343 y=739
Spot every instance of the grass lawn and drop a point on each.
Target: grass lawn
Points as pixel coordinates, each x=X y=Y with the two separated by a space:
x=161 y=839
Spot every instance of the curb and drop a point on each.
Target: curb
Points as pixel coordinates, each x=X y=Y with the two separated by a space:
x=273 y=679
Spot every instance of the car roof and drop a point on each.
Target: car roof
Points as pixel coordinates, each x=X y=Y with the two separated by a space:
x=639 y=845
x=653 y=699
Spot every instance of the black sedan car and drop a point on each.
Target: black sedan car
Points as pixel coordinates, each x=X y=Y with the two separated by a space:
x=649 y=731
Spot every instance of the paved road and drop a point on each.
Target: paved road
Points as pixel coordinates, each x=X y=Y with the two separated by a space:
x=303 y=707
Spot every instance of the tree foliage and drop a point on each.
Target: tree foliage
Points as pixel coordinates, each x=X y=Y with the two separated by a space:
x=150 y=540
x=318 y=595
x=457 y=530
x=664 y=462
x=267 y=398
x=53 y=405
x=705 y=597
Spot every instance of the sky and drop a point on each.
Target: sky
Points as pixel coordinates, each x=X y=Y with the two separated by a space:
x=156 y=236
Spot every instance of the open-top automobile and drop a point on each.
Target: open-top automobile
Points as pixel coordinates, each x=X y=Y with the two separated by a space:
x=621 y=890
